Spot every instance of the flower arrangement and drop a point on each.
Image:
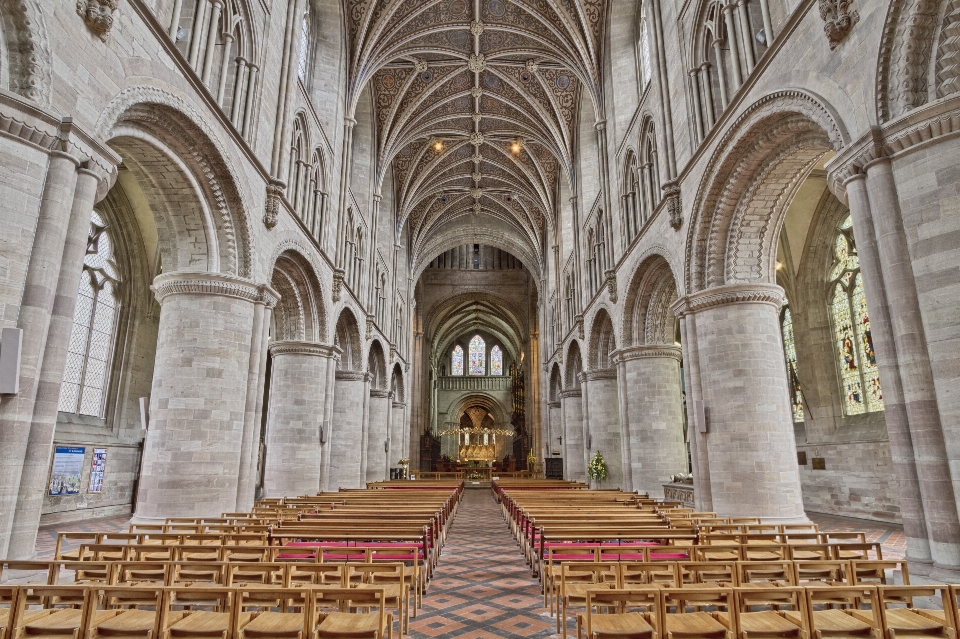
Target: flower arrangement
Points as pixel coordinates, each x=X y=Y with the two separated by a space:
x=403 y=462
x=598 y=468
x=531 y=460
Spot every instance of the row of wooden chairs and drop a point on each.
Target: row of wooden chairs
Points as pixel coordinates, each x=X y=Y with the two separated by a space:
x=868 y=612
x=149 y=612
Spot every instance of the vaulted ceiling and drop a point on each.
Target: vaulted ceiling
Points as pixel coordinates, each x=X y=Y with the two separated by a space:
x=476 y=105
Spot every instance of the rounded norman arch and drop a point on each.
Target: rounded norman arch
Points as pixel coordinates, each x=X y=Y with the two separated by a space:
x=377 y=366
x=603 y=341
x=299 y=314
x=347 y=339
x=647 y=318
x=574 y=366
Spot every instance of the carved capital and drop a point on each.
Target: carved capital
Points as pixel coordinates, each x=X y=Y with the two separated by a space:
x=337 y=287
x=170 y=284
x=292 y=347
x=645 y=351
x=350 y=376
x=271 y=209
x=578 y=320
x=729 y=294
x=570 y=392
x=380 y=393
x=370 y=326
x=612 y=285
x=602 y=373
x=98 y=14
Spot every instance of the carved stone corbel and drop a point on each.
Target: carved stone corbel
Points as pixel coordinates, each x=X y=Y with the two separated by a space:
x=338 y=274
x=370 y=319
x=671 y=193
x=98 y=14
x=578 y=320
x=612 y=285
x=271 y=207
x=838 y=20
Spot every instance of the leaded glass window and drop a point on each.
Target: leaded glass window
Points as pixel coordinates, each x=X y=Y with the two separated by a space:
x=645 y=65
x=456 y=361
x=478 y=353
x=304 y=41
x=859 y=377
x=496 y=361
x=94 y=327
x=790 y=354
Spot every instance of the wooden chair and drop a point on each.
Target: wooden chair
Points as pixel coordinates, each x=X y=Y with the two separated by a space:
x=618 y=622
x=256 y=574
x=357 y=625
x=193 y=623
x=575 y=580
x=771 y=620
x=391 y=579
x=8 y=604
x=875 y=572
x=553 y=561
x=86 y=572
x=912 y=620
x=139 y=612
x=810 y=573
x=635 y=574
x=146 y=573
x=316 y=575
x=766 y=573
x=67 y=611
x=677 y=623
x=409 y=557
x=69 y=538
x=708 y=572
x=846 y=616
x=290 y=620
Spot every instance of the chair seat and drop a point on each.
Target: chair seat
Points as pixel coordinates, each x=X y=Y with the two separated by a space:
x=906 y=620
x=390 y=591
x=274 y=624
x=834 y=621
x=768 y=624
x=132 y=623
x=28 y=616
x=578 y=592
x=630 y=625
x=349 y=624
x=206 y=624
x=62 y=621
x=694 y=624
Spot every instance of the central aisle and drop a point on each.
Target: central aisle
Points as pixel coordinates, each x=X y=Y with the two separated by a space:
x=482 y=587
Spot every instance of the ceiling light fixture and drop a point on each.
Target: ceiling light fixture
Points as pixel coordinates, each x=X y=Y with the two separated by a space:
x=516 y=146
x=437 y=145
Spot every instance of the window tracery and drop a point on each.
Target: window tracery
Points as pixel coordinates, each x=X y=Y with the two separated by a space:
x=790 y=355
x=496 y=361
x=92 y=338
x=456 y=361
x=856 y=359
x=478 y=348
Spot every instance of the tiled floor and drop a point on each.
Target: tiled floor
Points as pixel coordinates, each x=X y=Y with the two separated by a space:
x=47 y=535
x=891 y=537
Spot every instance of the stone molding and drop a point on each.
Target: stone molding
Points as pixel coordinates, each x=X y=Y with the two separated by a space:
x=611 y=281
x=648 y=351
x=351 y=376
x=220 y=284
x=28 y=49
x=294 y=347
x=380 y=393
x=729 y=294
x=554 y=404
x=603 y=373
x=901 y=135
x=399 y=404
x=570 y=392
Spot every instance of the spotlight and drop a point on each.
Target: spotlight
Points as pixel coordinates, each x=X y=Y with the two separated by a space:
x=779 y=265
x=437 y=145
x=516 y=147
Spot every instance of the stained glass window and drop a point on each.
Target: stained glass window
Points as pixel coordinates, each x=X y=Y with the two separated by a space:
x=456 y=361
x=645 y=49
x=304 y=41
x=496 y=361
x=94 y=325
x=478 y=352
x=859 y=377
x=790 y=354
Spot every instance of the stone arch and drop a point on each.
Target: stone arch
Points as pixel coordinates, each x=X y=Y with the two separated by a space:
x=603 y=341
x=397 y=384
x=377 y=366
x=918 y=44
x=299 y=314
x=141 y=117
x=748 y=185
x=574 y=366
x=556 y=383
x=347 y=339
x=25 y=50
x=647 y=318
x=483 y=400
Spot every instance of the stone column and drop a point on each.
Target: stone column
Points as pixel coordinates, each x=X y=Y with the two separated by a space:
x=573 y=446
x=325 y=441
x=257 y=372
x=39 y=287
x=36 y=462
x=654 y=414
x=191 y=458
x=702 y=496
x=298 y=384
x=346 y=431
x=604 y=412
x=895 y=412
x=555 y=415
x=398 y=428
x=378 y=432
x=916 y=374
x=749 y=438
x=586 y=450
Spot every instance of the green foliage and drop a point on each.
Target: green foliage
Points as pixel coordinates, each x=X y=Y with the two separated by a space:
x=598 y=468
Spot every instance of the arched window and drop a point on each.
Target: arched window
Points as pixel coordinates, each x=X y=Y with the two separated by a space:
x=496 y=361
x=94 y=327
x=478 y=352
x=456 y=361
x=643 y=49
x=790 y=355
x=859 y=377
x=304 y=40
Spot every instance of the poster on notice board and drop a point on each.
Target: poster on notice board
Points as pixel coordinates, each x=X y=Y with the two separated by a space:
x=96 y=470
x=67 y=470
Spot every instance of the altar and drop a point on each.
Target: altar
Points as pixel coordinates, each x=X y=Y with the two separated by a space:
x=477 y=452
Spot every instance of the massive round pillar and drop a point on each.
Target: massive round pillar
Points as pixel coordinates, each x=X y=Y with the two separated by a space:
x=345 y=441
x=604 y=424
x=295 y=417
x=191 y=458
x=378 y=438
x=748 y=431
x=572 y=408
x=654 y=415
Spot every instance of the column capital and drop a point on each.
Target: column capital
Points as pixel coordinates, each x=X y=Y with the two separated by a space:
x=221 y=284
x=380 y=393
x=644 y=351
x=351 y=376
x=729 y=294
x=600 y=373
x=570 y=392
x=295 y=347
